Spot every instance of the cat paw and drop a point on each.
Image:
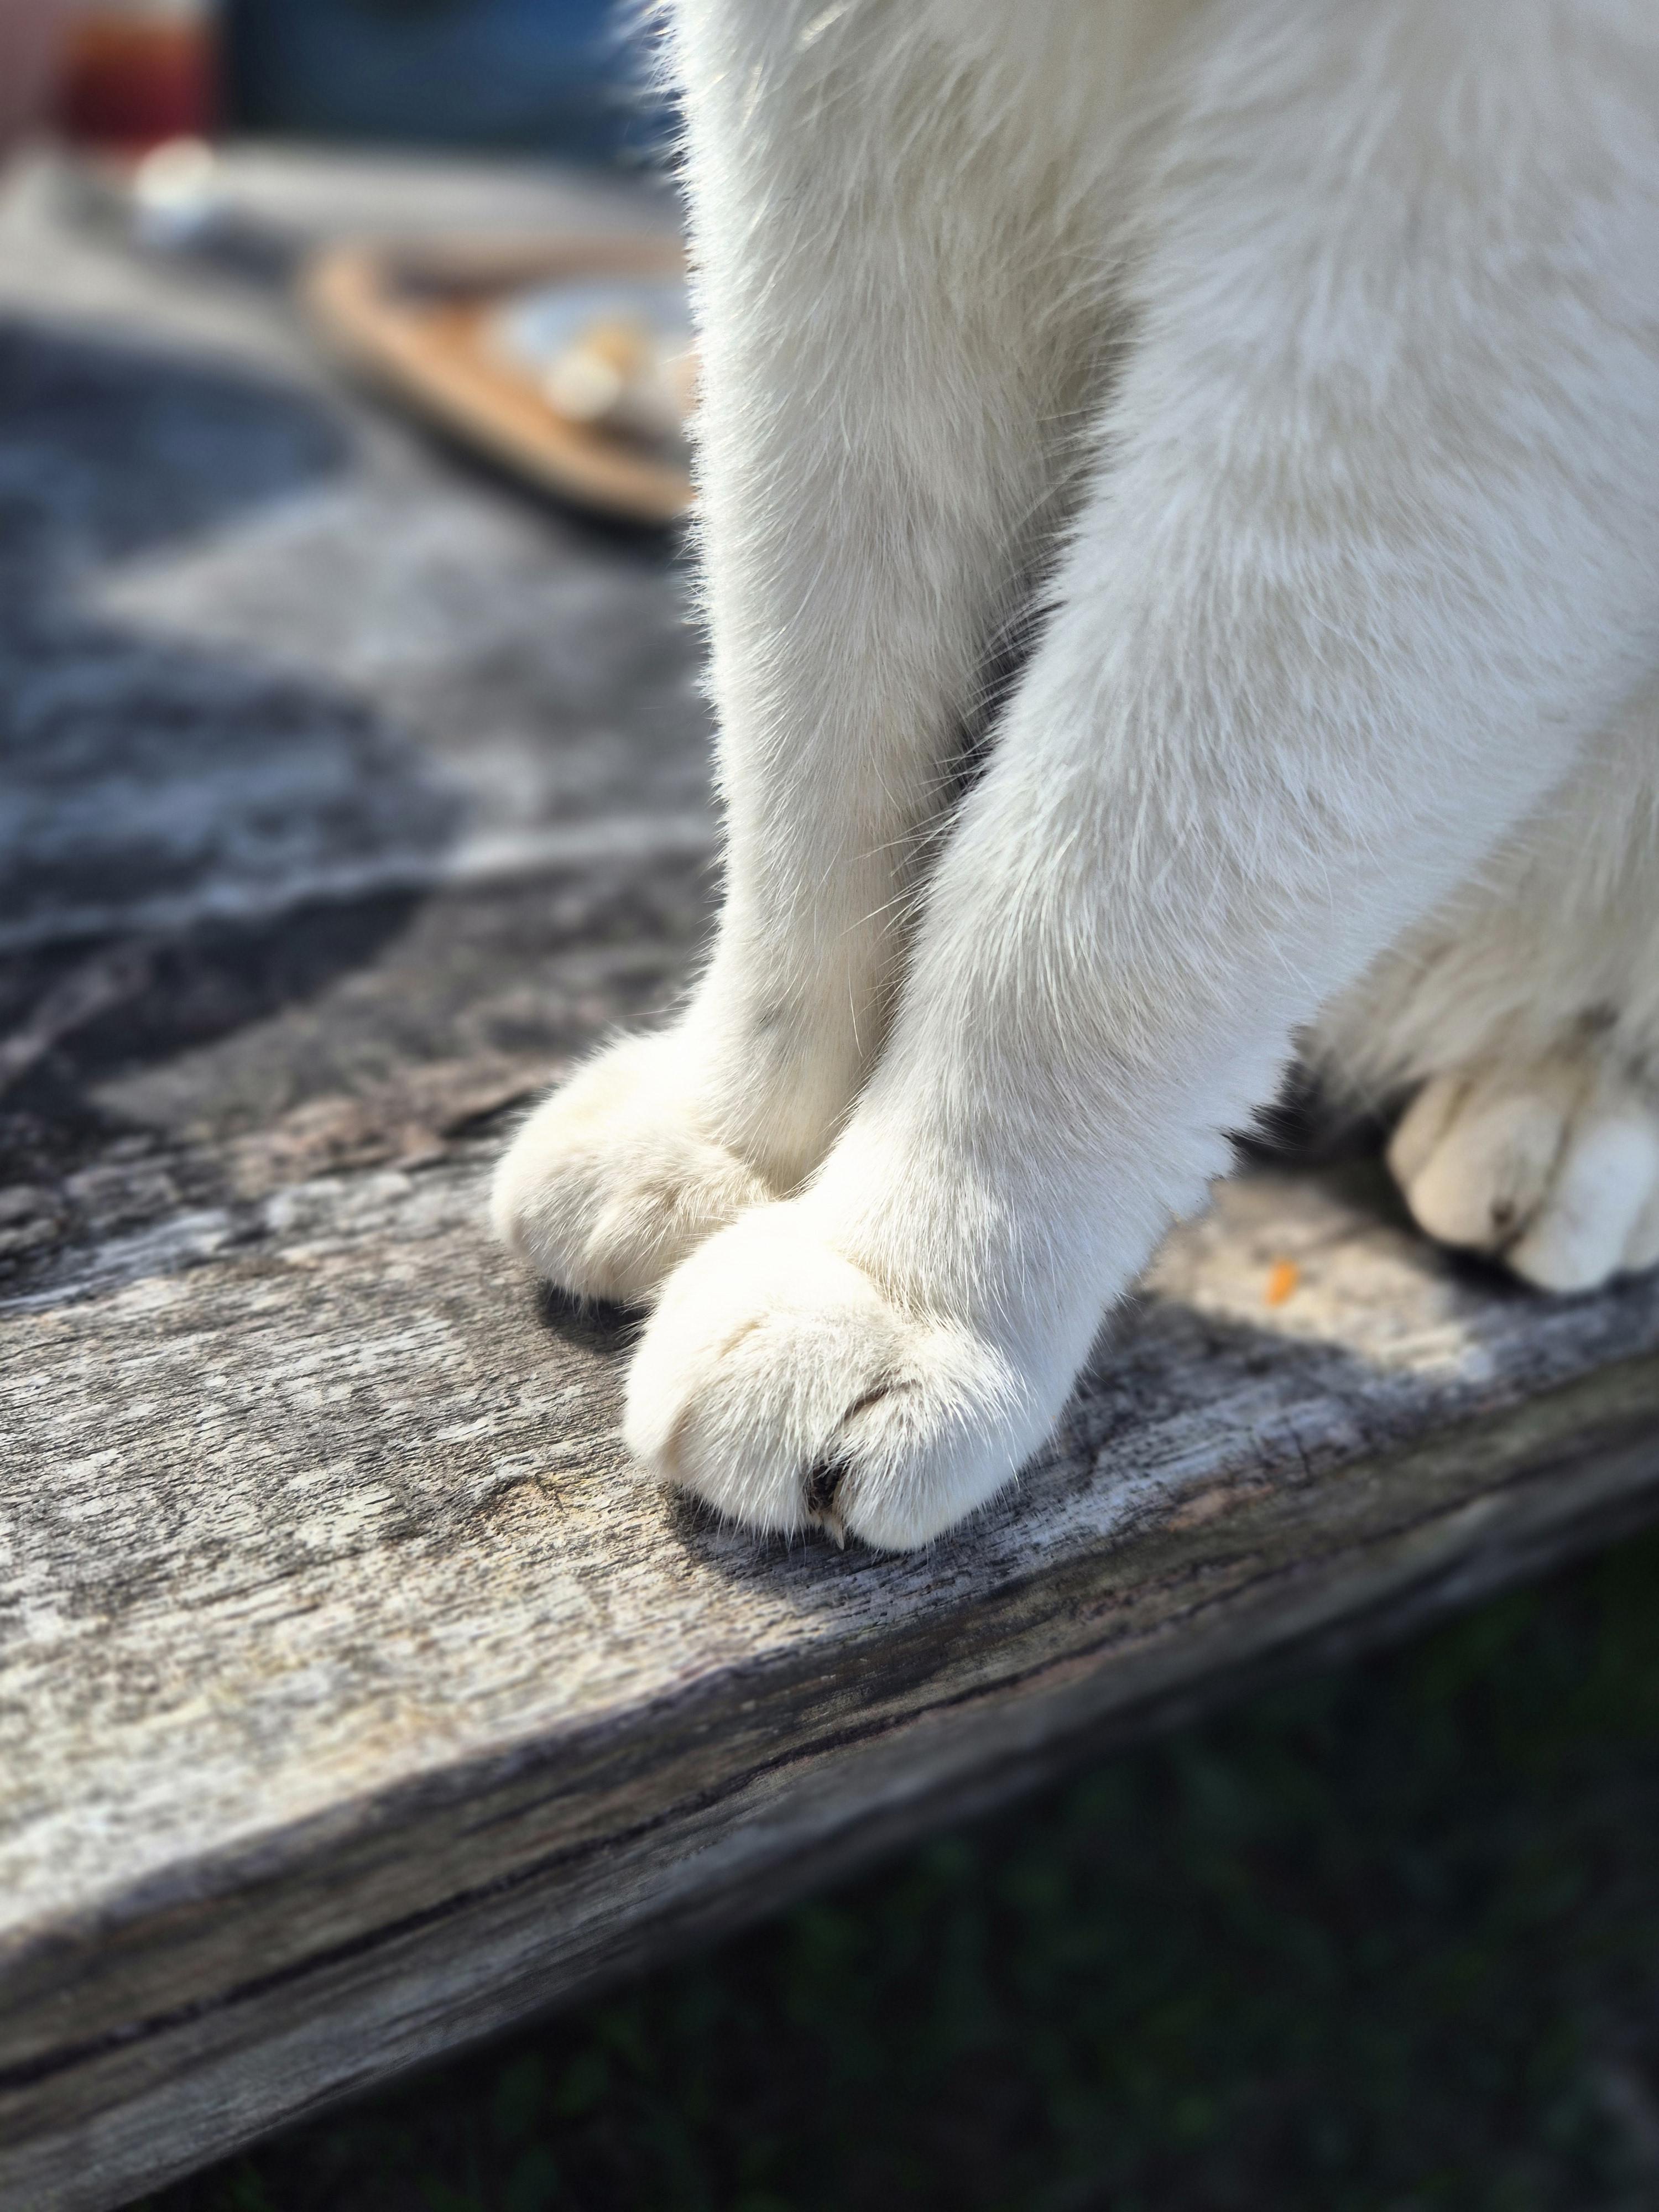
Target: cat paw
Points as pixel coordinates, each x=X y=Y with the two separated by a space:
x=1552 y=1169
x=611 y=1183
x=778 y=1382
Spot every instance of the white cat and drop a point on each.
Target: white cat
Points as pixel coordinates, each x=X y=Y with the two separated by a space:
x=1301 y=358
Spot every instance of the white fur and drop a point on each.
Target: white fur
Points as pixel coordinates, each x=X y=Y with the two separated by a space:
x=1301 y=355
x=615 y=1179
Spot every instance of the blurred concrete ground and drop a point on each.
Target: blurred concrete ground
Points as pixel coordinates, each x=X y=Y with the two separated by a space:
x=334 y=764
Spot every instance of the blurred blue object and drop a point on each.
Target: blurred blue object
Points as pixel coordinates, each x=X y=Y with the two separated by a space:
x=562 y=77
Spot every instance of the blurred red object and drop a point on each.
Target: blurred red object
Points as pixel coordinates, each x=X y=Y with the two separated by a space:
x=30 y=31
x=136 y=73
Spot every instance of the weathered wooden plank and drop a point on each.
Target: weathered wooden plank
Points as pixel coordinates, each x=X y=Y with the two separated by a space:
x=357 y=1696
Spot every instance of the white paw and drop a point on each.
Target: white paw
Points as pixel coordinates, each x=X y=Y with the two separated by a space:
x=611 y=1183
x=1554 y=1169
x=777 y=1381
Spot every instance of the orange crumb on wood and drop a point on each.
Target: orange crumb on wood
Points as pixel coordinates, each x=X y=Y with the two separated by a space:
x=1283 y=1277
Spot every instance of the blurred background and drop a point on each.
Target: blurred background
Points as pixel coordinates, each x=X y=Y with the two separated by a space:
x=563 y=77
x=356 y=780
x=566 y=77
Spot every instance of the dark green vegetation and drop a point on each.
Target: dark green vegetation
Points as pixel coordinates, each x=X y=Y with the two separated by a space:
x=1388 y=1939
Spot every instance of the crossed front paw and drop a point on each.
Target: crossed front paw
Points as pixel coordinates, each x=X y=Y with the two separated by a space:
x=614 y=1180
x=781 y=1384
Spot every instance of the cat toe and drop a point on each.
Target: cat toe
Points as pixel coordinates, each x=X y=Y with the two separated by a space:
x=1554 y=1169
x=779 y=1384
x=611 y=1183
x=1589 y=1226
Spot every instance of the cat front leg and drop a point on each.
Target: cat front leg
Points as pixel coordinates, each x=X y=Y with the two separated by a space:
x=1369 y=555
x=896 y=328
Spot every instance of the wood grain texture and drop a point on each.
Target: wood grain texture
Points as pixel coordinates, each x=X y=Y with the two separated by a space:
x=356 y=1696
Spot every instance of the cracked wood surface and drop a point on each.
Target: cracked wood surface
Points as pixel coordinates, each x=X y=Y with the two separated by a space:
x=356 y=1696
